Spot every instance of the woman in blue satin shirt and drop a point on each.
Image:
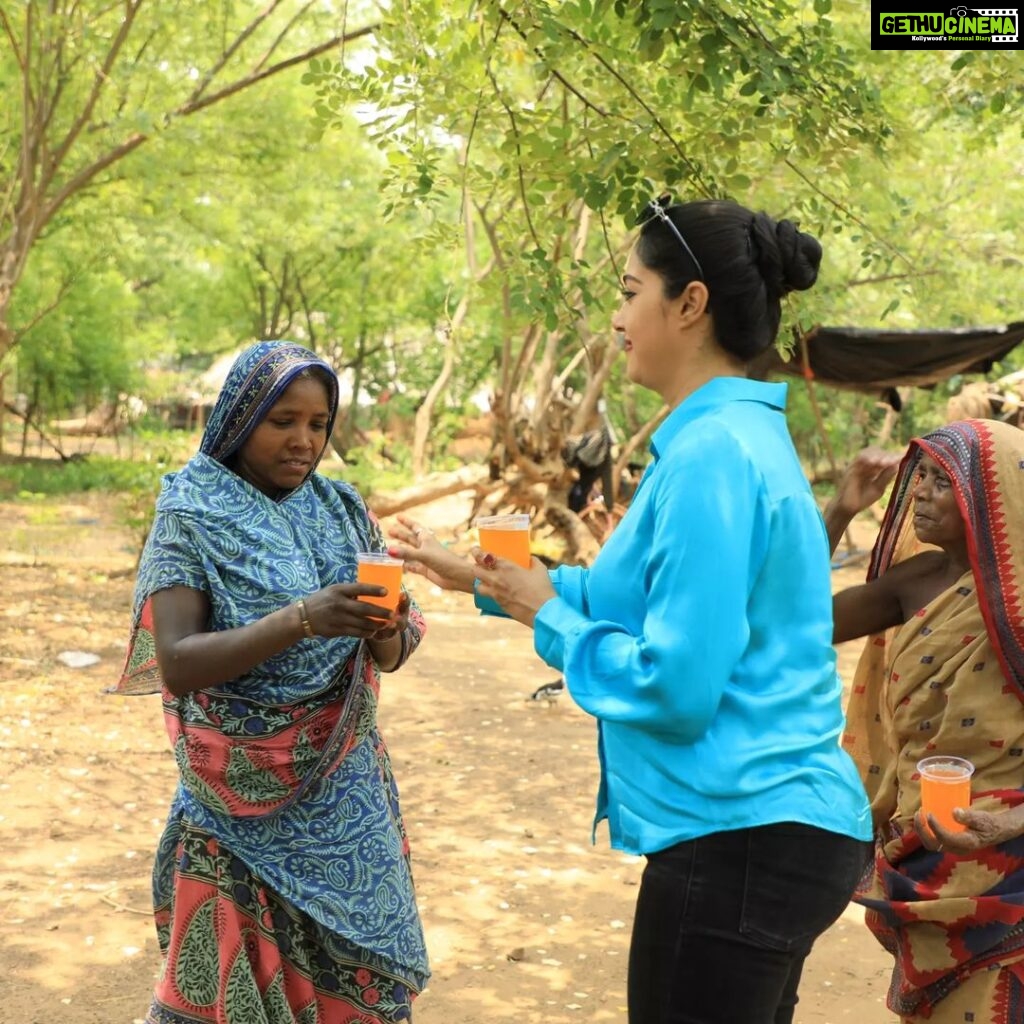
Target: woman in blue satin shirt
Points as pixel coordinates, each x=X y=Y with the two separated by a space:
x=700 y=638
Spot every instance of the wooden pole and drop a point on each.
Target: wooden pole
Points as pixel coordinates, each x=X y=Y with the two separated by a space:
x=802 y=338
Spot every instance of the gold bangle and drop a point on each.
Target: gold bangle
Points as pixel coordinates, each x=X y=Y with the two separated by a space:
x=307 y=627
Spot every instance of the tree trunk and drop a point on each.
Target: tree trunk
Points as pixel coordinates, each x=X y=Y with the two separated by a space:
x=580 y=546
x=425 y=413
x=639 y=438
x=892 y=418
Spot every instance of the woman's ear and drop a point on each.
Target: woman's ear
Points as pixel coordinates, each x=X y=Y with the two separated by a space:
x=693 y=303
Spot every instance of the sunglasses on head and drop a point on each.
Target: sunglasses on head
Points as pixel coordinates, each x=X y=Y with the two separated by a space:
x=658 y=209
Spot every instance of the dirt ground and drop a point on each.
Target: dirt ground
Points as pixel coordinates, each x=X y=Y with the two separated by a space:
x=525 y=920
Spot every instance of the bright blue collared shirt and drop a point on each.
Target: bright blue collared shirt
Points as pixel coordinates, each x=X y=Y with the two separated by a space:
x=701 y=637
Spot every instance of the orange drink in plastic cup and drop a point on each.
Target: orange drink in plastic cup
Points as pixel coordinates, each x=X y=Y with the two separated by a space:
x=945 y=784
x=384 y=571
x=507 y=537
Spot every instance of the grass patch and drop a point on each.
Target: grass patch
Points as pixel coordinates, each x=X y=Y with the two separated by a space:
x=32 y=479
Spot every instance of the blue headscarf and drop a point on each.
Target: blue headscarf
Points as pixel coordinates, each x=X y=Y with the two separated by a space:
x=256 y=380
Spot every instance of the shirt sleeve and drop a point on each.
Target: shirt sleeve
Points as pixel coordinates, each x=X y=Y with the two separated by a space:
x=708 y=535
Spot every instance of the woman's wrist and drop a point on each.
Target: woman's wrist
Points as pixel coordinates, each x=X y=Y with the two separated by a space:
x=838 y=511
x=306 y=631
x=457 y=571
x=1014 y=824
x=837 y=519
x=388 y=652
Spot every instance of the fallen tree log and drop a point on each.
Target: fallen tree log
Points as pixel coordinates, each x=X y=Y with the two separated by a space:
x=439 y=485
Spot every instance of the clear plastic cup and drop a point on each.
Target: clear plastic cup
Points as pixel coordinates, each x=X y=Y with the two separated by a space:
x=384 y=571
x=945 y=784
x=506 y=536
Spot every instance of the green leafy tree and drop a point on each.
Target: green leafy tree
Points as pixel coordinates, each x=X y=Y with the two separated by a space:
x=551 y=125
x=94 y=85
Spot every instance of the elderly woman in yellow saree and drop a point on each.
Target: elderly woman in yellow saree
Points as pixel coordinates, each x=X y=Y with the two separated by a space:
x=943 y=673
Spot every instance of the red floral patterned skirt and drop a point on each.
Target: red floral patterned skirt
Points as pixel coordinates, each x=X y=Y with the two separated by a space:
x=236 y=953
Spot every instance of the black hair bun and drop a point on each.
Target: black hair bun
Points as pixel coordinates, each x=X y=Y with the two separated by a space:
x=787 y=257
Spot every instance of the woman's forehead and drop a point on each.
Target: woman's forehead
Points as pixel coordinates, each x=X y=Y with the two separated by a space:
x=928 y=463
x=304 y=390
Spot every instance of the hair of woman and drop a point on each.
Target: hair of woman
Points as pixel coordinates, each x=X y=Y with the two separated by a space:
x=749 y=262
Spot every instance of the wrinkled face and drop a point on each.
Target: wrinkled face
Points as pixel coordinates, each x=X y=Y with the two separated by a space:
x=279 y=454
x=643 y=318
x=937 y=518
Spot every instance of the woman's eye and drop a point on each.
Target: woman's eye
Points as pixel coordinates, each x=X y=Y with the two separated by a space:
x=627 y=294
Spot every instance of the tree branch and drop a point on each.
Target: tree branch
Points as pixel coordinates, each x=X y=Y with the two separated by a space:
x=84 y=176
x=258 y=76
x=854 y=282
x=231 y=50
x=554 y=72
x=847 y=211
x=272 y=49
x=9 y=32
x=43 y=313
x=519 y=159
x=100 y=80
x=637 y=98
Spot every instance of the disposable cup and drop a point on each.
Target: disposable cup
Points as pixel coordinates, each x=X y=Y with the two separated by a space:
x=384 y=571
x=507 y=537
x=945 y=784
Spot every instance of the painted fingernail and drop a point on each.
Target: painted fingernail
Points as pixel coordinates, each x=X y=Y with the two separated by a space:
x=489 y=561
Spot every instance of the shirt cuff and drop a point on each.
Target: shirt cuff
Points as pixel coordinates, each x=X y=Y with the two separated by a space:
x=487 y=605
x=552 y=625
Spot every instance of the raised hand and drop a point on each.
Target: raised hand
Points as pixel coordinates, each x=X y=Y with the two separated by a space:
x=866 y=479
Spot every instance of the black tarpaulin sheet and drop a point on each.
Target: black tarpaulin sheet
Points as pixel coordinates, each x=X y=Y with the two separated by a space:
x=867 y=360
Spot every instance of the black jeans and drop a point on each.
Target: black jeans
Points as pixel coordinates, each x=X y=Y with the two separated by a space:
x=724 y=923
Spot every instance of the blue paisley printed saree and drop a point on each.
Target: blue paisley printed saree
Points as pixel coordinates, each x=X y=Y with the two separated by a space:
x=282 y=884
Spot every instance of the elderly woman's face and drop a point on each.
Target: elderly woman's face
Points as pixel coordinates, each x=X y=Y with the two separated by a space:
x=937 y=518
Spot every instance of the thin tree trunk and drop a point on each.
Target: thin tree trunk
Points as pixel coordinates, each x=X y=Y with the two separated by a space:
x=425 y=413
x=639 y=438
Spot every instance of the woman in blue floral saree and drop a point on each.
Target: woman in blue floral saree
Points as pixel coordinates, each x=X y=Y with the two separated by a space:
x=282 y=885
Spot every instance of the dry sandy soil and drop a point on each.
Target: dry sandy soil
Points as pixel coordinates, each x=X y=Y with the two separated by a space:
x=526 y=921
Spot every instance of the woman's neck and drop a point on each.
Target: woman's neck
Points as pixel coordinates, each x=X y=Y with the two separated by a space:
x=697 y=374
x=957 y=561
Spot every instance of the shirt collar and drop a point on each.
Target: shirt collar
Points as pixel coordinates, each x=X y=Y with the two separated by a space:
x=715 y=393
